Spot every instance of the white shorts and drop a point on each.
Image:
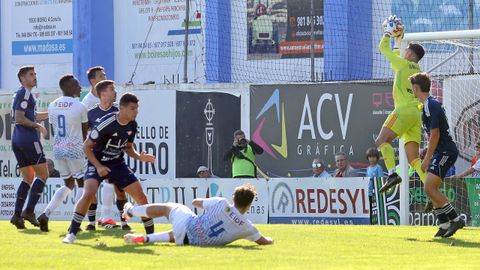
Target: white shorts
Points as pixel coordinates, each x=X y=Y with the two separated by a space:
x=179 y=215
x=70 y=168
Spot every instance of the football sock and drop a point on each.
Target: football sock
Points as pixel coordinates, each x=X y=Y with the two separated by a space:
x=417 y=165
x=35 y=193
x=22 y=194
x=450 y=212
x=120 y=204
x=149 y=225
x=107 y=194
x=76 y=221
x=158 y=237
x=388 y=156
x=139 y=211
x=92 y=212
x=57 y=199
x=442 y=217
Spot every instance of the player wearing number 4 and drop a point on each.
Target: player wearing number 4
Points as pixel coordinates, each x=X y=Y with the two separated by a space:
x=405 y=120
x=68 y=117
x=222 y=223
x=441 y=154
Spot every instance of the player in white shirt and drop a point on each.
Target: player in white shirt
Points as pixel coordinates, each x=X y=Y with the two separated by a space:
x=95 y=75
x=68 y=116
x=221 y=224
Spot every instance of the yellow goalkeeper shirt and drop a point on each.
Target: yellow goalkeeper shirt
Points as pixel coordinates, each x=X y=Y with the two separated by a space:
x=402 y=88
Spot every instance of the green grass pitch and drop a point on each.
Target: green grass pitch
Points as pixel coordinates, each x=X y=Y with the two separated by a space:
x=296 y=247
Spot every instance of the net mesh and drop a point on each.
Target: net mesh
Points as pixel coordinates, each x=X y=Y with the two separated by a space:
x=454 y=66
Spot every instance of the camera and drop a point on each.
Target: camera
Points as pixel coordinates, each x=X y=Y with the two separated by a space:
x=242 y=141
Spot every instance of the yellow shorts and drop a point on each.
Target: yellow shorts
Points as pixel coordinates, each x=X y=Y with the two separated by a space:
x=406 y=122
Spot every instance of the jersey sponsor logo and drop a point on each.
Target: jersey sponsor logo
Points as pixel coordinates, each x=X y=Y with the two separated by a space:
x=94 y=134
x=24 y=104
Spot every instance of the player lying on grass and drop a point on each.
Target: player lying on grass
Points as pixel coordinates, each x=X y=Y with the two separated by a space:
x=441 y=154
x=222 y=223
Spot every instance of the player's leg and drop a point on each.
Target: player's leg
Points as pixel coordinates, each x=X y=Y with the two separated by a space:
x=383 y=142
x=135 y=190
x=121 y=201
x=92 y=213
x=81 y=208
x=166 y=236
x=412 y=139
x=36 y=190
x=28 y=175
x=448 y=218
x=107 y=194
x=59 y=196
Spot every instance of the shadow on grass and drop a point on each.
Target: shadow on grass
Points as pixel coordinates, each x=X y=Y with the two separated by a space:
x=250 y=247
x=139 y=249
x=32 y=231
x=448 y=241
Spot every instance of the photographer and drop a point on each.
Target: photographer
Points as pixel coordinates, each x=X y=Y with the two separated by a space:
x=242 y=156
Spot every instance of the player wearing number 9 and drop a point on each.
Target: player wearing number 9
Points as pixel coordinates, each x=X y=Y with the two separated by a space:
x=221 y=223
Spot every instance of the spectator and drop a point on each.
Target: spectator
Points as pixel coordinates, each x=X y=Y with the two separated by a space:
x=204 y=172
x=374 y=169
x=343 y=166
x=318 y=168
x=51 y=168
x=474 y=170
x=242 y=156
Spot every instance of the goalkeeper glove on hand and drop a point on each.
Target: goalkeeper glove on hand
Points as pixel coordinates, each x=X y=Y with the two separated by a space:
x=390 y=24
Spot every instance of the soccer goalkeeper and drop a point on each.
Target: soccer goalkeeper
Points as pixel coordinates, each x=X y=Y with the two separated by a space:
x=405 y=120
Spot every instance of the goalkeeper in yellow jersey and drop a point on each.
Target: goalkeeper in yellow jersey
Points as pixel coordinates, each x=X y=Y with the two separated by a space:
x=406 y=119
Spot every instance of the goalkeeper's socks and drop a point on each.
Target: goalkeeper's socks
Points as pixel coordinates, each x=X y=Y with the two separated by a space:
x=388 y=156
x=417 y=165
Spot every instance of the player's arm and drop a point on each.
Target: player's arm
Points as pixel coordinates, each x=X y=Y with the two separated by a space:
x=84 y=130
x=432 y=145
x=466 y=172
x=264 y=241
x=144 y=157
x=88 y=150
x=40 y=116
x=392 y=56
x=21 y=119
x=206 y=203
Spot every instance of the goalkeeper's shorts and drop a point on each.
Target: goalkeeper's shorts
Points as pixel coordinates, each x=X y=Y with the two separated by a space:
x=406 y=122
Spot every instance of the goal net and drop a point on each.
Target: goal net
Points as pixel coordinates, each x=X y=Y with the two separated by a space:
x=453 y=61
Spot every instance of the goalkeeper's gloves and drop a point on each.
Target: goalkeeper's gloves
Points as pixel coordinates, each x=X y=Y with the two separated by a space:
x=390 y=25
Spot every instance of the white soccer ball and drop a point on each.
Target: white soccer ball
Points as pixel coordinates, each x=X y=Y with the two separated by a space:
x=399 y=27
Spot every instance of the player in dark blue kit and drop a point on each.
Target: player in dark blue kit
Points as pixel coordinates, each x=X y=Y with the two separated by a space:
x=107 y=94
x=105 y=147
x=441 y=154
x=27 y=148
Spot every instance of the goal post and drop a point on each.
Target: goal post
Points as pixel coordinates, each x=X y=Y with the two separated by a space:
x=453 y=59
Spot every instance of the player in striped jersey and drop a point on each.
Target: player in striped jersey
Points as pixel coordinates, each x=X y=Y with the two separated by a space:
x=68 y=116
x=105 y=148
x=221 y=224
x=441 y=154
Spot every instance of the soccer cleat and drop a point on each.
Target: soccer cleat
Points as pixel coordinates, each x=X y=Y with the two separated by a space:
x=110 y=224
x=18 y=222
x=134 y=238
x=43 y=221
x=428 y=206
x=440 y=233
x=90 y=227
x=392 y=180
x=126 y=227
x=31 y=218
x=454 y=227
x=126 y=211
x=69 y=238
x=100 y=222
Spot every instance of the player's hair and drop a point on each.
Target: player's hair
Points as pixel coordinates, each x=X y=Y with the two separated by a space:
x=244 y=195
x=91 y=72
x=64 y=81
x=417 y=49
x=102 y=86
x=23 y=71
x=373 y=152
x=421 y=79
x=128 y=98
x=238 y=132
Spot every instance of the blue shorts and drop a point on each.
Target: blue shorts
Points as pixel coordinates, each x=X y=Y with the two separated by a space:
x=441 y=163
x=29 y=153
x=120 y=174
